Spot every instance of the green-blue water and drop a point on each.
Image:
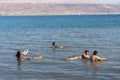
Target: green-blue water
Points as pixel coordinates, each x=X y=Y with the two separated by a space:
x=36 y=33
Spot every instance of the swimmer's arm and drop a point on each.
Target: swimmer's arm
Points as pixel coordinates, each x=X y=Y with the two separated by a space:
x=101 y=59
x=104 y=59
x=97 y=58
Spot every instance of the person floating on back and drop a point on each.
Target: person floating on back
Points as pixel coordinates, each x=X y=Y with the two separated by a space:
x=85 y=55
x=21 y=55
x=54 y=46
x=94 y=57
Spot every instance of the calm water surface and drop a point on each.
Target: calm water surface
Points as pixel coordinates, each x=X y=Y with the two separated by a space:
x=36 y=33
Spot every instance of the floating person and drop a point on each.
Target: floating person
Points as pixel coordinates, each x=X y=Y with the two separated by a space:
x=94 y=57
x=54 y=46
x=21 y=55
x=85 y=55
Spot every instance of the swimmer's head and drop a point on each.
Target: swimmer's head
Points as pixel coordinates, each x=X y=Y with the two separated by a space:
x=86 y=51
x=18 y=54
x=53 y=43
x=95 y=52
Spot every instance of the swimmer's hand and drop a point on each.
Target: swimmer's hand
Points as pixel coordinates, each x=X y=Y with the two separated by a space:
x=25 y=52
x=104 y=59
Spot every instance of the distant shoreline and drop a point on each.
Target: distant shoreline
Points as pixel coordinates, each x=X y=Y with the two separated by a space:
x=29 y=9
x=65 y=15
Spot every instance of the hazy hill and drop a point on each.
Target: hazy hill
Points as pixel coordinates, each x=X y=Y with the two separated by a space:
x=57 y=9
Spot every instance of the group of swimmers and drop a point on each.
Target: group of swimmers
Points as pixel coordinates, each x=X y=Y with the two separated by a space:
x=86 y=55
x=21 y=56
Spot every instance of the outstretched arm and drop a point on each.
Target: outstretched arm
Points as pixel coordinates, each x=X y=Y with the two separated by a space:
x=103 y=59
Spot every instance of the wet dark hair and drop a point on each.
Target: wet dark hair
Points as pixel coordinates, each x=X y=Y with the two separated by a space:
x=18 y=54
x=86 y=51
x=53 y=43
x=95 y=52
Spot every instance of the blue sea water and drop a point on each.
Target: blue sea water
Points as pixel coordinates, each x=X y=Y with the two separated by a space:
x=36 y=33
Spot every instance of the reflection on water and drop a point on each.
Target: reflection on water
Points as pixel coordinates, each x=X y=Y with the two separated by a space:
x=19 y=68
x=95 y=64
x=86 y=61
x=94 y=74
